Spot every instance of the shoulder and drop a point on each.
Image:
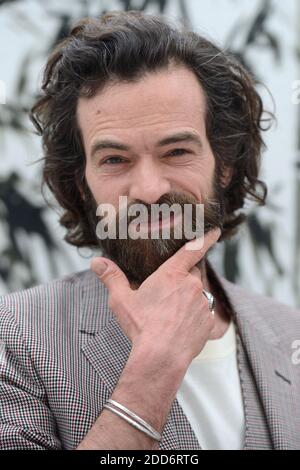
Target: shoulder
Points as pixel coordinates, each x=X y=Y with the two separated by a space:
x=45 y=303
x=264 y=311
x=57 y=288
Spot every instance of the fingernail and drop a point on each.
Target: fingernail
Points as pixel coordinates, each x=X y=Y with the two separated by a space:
x=196 y=244
x=101 y=268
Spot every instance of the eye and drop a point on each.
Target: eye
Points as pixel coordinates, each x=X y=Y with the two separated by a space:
x=178 y=152
x=113 y=160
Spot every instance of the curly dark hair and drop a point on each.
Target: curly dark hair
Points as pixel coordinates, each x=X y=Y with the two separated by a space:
x=123 y=46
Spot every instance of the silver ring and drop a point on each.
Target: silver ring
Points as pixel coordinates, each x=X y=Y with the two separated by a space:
x=211 y=301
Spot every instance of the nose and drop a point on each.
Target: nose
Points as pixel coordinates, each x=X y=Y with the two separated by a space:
x=148 y=184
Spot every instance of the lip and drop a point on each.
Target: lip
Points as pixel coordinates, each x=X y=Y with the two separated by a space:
x=159 y=224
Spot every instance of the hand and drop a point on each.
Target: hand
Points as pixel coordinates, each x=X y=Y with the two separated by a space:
x=168 y=311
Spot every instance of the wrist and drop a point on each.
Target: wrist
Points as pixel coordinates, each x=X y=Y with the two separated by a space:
x=158 y=358
x=148 y=385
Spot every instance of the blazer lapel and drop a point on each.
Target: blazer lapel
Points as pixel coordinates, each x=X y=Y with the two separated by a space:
x=108 y=348
x=277 y=383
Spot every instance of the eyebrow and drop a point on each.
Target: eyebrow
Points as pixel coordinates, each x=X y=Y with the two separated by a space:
x=187 y=137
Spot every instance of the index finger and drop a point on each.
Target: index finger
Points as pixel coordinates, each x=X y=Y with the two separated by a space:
x=193 y=251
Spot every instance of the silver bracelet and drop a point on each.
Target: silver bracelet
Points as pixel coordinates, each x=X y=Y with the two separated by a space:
x=155 y=436
x=134 y=416
x=139 y=424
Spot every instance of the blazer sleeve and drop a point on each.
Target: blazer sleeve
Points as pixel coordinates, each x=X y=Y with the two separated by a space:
x=26 y=422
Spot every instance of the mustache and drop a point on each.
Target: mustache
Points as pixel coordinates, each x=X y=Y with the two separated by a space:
x=213 y=210
x=212 y=207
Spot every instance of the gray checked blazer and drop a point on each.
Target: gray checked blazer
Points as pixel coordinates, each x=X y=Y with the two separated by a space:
x=62 y=352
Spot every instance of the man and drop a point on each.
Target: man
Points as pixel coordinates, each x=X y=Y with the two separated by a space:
x=150 y=349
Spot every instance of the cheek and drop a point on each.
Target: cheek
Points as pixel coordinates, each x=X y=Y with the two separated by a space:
x=102 y=191
x=198 y=183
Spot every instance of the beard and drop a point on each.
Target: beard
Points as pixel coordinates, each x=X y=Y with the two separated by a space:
x=139 y=258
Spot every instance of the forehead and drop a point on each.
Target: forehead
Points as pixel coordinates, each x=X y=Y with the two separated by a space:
x=160 y=100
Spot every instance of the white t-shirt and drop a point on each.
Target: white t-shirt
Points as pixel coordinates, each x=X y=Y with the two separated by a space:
x=210 y=395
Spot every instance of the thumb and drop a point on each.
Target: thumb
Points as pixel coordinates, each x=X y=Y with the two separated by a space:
x=110 y=274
